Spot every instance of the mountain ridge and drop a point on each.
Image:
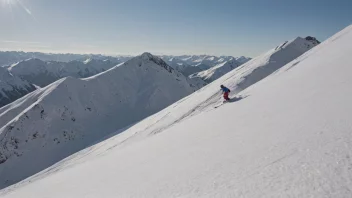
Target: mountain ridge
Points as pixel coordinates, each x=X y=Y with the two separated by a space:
x=71 y=113
x=288 y=134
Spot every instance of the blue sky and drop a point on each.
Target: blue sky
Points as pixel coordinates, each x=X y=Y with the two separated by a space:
x=216 y=27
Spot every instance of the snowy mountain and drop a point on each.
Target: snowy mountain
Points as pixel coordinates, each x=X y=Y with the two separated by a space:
x=12 y=87
x=11 y=57
x=288 y=135
x=285 y=136
x=42 y=73
x=217 y=71
x=242 y=59
x=313 y=40
x=263 y=66
x=182 y=66
x=70 y=114
x=193 y=64
x=206 y=62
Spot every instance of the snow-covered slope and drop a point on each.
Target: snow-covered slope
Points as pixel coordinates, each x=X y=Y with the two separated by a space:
x=42 y=73
x=36 y=71
x=186 y=70
x=182 y=66
x=262 y=66
x=217 y=71
x=286 y=136
x=193 y=64
x=206 y=62
x=12 y=87
x=70 y=114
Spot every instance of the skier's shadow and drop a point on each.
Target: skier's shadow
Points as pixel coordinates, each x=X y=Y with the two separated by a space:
x=237 y=98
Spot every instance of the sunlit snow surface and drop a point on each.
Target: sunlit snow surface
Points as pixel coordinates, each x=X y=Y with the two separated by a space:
x=288 y=135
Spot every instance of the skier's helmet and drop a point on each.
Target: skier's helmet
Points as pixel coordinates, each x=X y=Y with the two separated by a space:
x=222 y=86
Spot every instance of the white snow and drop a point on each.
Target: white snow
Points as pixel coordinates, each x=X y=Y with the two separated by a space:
x=9 y=81
x=261 y=67
x=12 y=87
x=87 y=61
x=43 y=73
x=70 y=114
x=10 y=57
x=181 y=65
x=216 y=72
x=194 y=64
x=288 y=135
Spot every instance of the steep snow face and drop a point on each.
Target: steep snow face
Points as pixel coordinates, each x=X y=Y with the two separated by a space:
x=261 y=67
x=237 y=80
x=70 y=114
x=37 y=71
x=287 y=136
x=185 y=69
x=42 y=73
x=217 y=71
x=12 y=87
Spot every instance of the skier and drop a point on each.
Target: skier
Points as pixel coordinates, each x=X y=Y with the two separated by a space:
x=226 y=92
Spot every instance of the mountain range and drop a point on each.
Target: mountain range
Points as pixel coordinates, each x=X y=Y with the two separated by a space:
x=35 y=72
x=286 y=132
x=70 y=114
x=99 y=108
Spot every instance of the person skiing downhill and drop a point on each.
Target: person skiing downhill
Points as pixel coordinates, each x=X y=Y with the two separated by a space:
x=226 y=92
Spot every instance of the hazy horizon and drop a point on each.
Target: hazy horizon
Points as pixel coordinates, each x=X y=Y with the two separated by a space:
x=165 y=27
x=132 y=55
